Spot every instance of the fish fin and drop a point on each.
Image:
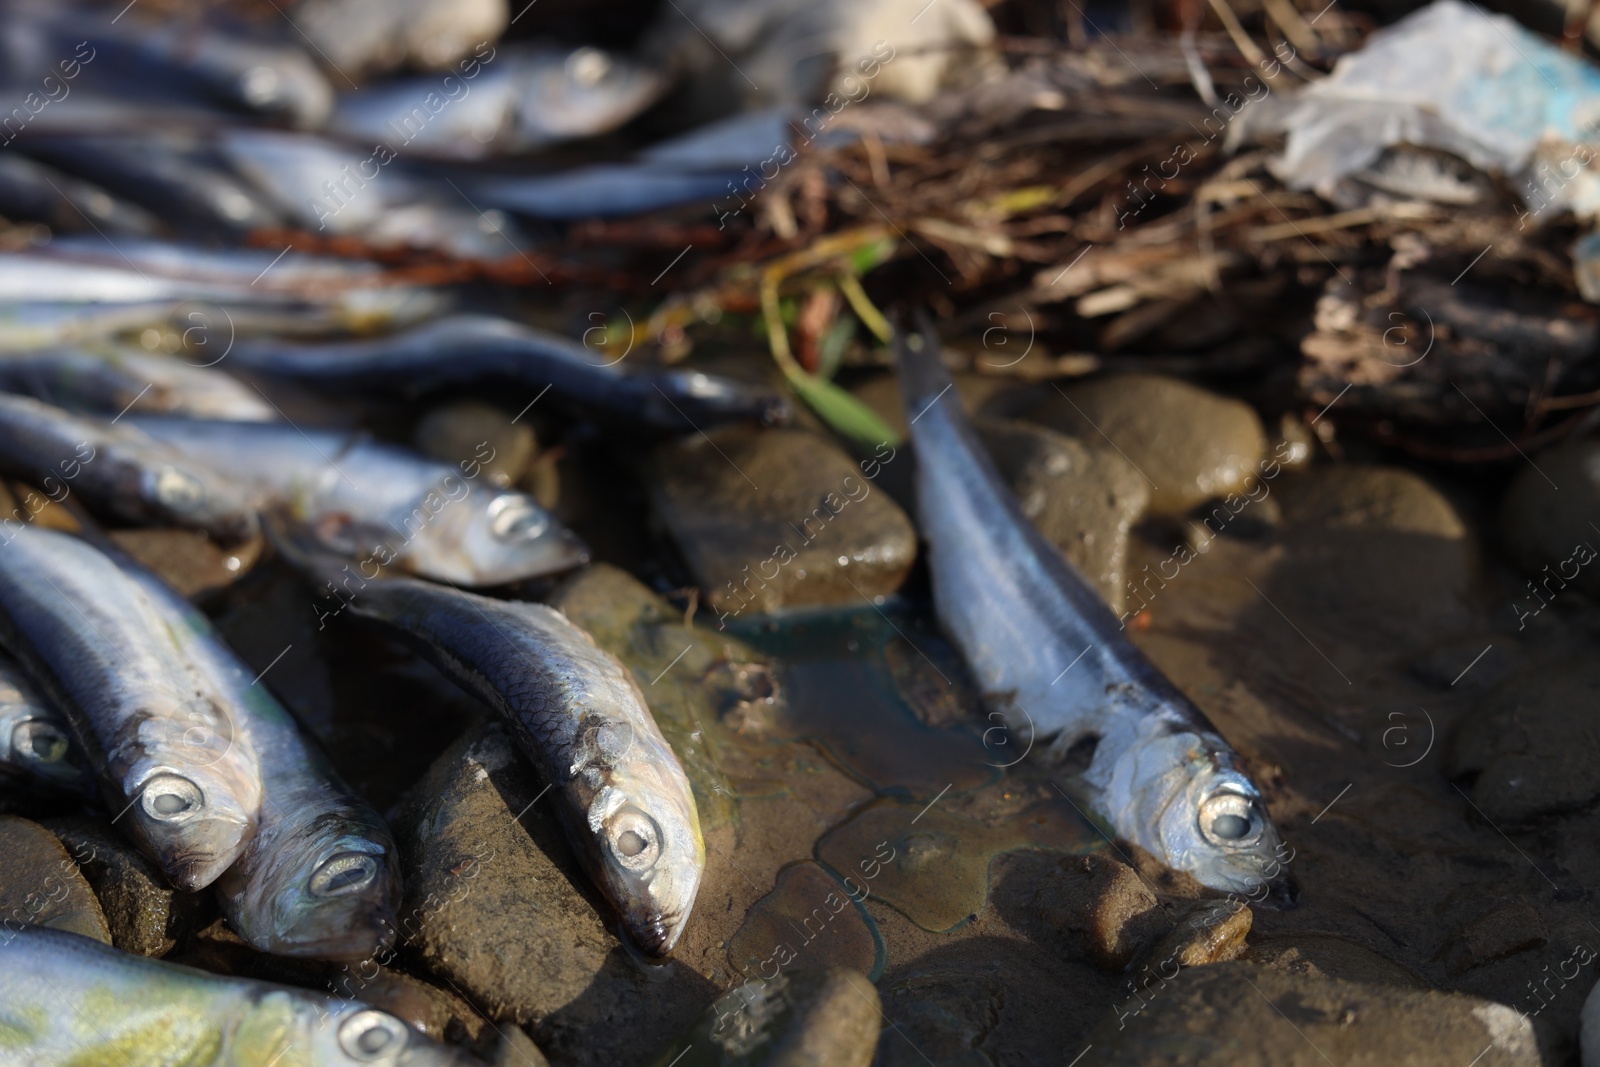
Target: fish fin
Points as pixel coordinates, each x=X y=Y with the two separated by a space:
x=923 y=376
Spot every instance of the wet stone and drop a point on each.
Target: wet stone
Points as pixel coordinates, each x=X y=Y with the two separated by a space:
x=1547 y=529
x=1373 y=550
x=1510 y=927
x=146 y=916
x=436 y=1012
x=781 y=518
x=805 y=1017
x=1090 y=906
x=188 y=560
x=1527 y=747
x=1191 y=444
x=1212 y=1017
x=497 y=906
x=810 y=919
x=933 y=866
x=1084 y=500
x=694 y=678
x=472 y=432
x=1213 y=931
x=40 y=883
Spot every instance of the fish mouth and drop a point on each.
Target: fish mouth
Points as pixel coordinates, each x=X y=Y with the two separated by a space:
x=657 y=936
x=1283 y=893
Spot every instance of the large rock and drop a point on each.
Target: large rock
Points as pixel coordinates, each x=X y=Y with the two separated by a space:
x=470 y=431
x=40 y=883
x=781 y=518
x=1084 y=500
x=1090 y=906
x=799 y=1018
x=1530 y=746
x=1189 y=444
x=1239 y=1015
x=1548 y=519
x=497 y=905
x=145 y=914
x=1373 y=550
x=700 y=685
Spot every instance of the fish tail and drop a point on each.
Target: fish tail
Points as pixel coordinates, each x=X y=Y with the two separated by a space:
x=923 y=377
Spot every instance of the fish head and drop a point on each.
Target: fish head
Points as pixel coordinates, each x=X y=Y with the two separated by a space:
x=331 y=894
x=39 y=746
x=199 y=500
x=651 y=852
x=490 y=538
x=1177 y=792
x=585 y=92
x=351 y=1034
x=1213 y=823
x=195 y=819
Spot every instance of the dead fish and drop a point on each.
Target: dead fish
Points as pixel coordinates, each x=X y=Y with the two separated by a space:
x=208 y=295
x=120 y=470
x=1051 y=658
x=382 y=504
x=327 y=187
x=319 y=878
x=29 y=190
x=157 y=61
x=148 y=1012
x=506 y=100
x=36 y=745
x=467 y=348
x=178 y=772
x=176 y=176
x=114 y=380
x=578 y=714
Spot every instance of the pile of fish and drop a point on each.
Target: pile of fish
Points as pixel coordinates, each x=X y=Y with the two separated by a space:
x=117 y=691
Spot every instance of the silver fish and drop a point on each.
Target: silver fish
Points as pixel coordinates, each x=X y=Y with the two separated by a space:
x=578 y=714
x=197 y=327
x=166 y=60
x=380 y=503
x=1050 y=657
x=329 y=187
x=69 y=1001
x=467 y=348
x=30 y=190
x=111 y=380
x=514 y=101
x=180 y=774
x=36 y=744
x=320 y=877
x=213 y=294
x=176 y=175
x=120 y=469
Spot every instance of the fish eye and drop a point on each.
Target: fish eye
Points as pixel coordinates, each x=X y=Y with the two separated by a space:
x=170 y=798
x=371 y=1035
x=1230 y=819
x=344 y=873
x=514 y=517
x=38 y=740
x=635 y=840
x=587 y=66
x=177 y=489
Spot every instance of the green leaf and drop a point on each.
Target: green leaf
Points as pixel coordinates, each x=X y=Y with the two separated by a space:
x=844 y=414
x=868 y=256
x=831 y=346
